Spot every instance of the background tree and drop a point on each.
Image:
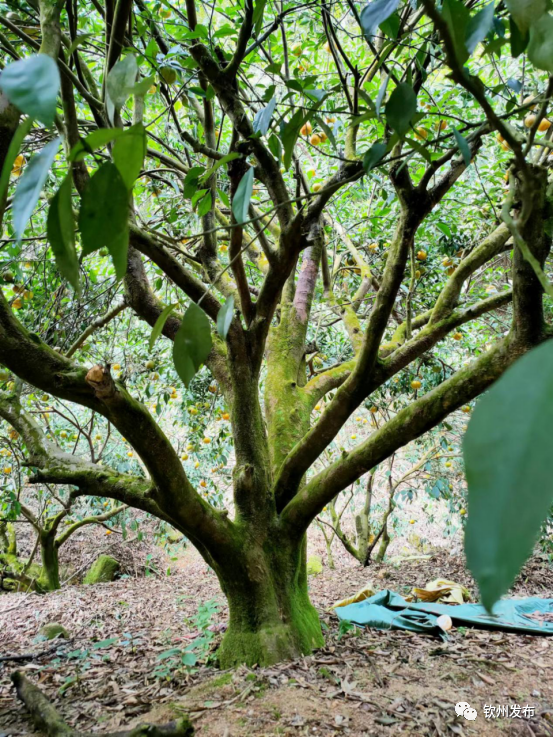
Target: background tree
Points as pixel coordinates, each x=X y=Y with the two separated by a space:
x=247 y=136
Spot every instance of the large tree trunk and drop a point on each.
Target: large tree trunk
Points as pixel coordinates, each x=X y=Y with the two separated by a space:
x=271 y=617
x=50 y=576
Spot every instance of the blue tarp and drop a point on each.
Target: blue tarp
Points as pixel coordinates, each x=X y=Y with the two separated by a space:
x=388 y=610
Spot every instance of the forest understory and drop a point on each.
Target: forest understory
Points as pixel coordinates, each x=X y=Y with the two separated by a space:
x=362 y=683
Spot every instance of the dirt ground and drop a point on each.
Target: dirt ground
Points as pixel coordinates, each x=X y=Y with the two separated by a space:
x=362 y=683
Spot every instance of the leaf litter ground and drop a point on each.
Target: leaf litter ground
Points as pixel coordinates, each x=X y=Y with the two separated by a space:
x=361 y=683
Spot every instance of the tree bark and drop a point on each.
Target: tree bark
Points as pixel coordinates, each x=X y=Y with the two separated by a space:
x=50 y=576
x=271 y=617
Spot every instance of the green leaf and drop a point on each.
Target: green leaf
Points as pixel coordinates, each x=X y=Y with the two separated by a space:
x=121 y=80
x=192 y=343
x=457 y=18
x=257 y=18
x=262 y=118
x=242 y=197
x=526 y=12
x=509 y=469
x=189 y=658
x=478 y=27
x=160 y=324
x=289 y=135
x=13 y=150
x=463 y=147
x=375 y=13
x=381 y=95
x=140 y=88
x=104 y=643
x=205 y=204
x=401 y=107
x=224 y=317
x=95 y=140
x=104 y=216
x=540 y=48
x=80 y=39
x=374 y=155
x=32 y=84
x=128 y=153
x=30 y=186
x=220 y=162
x=419 y=148
x=519 y=40
x=60 y=229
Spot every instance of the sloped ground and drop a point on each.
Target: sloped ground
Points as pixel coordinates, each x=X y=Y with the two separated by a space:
x=361 y=683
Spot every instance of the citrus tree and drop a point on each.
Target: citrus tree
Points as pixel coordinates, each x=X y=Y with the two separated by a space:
x=308 y=199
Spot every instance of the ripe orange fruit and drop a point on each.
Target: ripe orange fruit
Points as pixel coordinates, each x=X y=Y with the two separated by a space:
x=226 y=416
x=421 y=133
x=315 y=140
x=207 y=441
x=529 y=121
x=306 y=129
x=457 y=336
x=18 y=165
x=544 y=125
x=203 y=483
x=416 y=384
x=17 y=303
x=421 y=255
x=441 y=125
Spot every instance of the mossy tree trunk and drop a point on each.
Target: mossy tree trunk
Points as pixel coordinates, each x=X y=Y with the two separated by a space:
x=50 y=575
x=271 y=617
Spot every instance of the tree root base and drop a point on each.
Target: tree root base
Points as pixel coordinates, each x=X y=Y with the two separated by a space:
x=46 y=718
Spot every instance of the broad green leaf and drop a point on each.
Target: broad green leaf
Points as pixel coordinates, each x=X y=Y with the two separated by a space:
x=13 y=150
x=509 y=469
x=32 y=84
x=221 y=162
x=289 y=135
x=189 y=659
x=526 y=12
x=540 y=48
x=128 y=153
x=381 y=95
x=242 y=197
x=104 y=643
x=121 y=80
x=205 y=204
x=224 y=317
x=374 y=155
x=375 y=13
x=519 y=40
x=463 y=147
x=478 y=27
x=140 y=88
x=191 y=180
x=457 y=18
x=104 y=216
x=257 y=18
x=401 y=107
x=262 y=118
x=419 y=148
x=95 y=140
x=160 y=324
x=192 y=343
x=30 y=186
x=61 y=233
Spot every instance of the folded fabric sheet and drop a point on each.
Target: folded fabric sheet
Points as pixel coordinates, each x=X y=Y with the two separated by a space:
x=388 y=610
